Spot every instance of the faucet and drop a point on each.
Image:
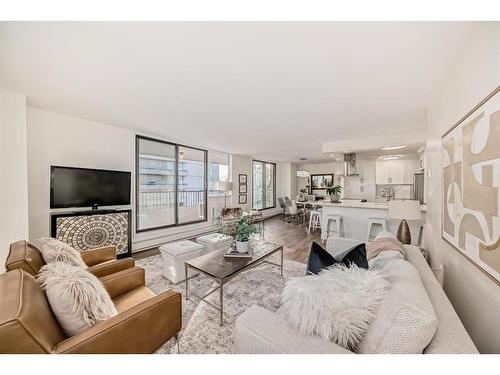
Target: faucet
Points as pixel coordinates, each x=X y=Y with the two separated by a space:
x=387 y=192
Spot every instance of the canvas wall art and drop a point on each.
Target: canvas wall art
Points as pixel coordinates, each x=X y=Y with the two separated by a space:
x=470 y=207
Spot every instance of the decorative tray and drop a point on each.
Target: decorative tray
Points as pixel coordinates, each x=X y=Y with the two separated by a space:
x=232 y=253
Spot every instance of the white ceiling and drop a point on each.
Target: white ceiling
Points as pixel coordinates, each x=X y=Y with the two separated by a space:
x=275 y=90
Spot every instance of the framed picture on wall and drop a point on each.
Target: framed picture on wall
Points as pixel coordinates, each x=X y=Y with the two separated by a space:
x=243 y=188
x=321 y=181
x=243 y=178
x=470 y=205
x=242 y=199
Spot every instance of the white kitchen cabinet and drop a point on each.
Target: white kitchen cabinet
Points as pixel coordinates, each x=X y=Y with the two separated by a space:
x=411 y=167
x=382 y=172
x=395 y=172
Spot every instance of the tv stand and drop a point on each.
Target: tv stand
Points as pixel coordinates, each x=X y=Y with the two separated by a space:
x=85 y=230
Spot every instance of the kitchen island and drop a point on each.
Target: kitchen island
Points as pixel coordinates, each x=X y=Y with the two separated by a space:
x=355 y=218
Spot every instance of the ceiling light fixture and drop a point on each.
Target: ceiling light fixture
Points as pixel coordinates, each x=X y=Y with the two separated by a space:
x=393 y=157
x=387 y=148
x=332 y=155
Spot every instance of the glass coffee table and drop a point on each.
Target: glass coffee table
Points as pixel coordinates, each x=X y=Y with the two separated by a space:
x=222 y=269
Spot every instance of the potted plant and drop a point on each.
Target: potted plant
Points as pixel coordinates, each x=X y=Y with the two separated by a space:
x=334 y=192
x=302 y=194
x=242 y=232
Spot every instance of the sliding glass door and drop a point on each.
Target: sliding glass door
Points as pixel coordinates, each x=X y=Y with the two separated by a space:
x=170 y=184
x=263 y=185
x=192 y=192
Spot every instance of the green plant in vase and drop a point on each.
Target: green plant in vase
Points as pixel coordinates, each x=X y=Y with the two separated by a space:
x=243 y=230
x=333 y=191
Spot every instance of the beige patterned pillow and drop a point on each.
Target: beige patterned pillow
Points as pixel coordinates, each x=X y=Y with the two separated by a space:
x=383 y=244
x=405 y=322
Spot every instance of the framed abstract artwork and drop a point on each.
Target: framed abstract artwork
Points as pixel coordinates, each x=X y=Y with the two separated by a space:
x=470 y=163
x=243 y=189
x=242 y=178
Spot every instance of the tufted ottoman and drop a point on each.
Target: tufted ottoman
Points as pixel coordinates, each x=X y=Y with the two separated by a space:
x=174 y=255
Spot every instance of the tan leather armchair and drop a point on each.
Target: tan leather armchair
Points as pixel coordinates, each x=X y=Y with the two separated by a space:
x=145 y=321
x=101 y=262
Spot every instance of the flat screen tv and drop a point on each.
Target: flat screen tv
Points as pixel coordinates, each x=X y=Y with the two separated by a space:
x=82 y=187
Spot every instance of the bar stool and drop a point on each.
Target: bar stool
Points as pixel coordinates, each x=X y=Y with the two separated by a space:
x=339 y=225
x=314 y=220
x=374 y=221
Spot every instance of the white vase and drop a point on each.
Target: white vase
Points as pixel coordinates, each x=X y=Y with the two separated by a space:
x=242 y=246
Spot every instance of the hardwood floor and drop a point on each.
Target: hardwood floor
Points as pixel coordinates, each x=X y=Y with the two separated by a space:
x=295 y=239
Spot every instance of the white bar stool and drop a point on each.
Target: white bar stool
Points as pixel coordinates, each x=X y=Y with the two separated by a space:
x=339 y=225
x=375 y=221
x=314 y=220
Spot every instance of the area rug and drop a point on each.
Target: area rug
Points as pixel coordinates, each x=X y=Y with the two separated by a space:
x=201 y=332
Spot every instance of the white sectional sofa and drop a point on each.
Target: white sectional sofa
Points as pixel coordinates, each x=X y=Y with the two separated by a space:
x=261 y=331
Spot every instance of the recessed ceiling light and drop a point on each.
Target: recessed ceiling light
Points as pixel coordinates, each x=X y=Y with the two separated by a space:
x=386 y=148
x=332 y=155
x=303 y=158
x=346 y=152
x=391 y=157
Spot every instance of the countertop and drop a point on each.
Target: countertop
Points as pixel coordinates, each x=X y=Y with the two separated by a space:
x=358 y=204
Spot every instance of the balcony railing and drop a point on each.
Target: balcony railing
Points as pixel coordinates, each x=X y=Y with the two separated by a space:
x=160 y=199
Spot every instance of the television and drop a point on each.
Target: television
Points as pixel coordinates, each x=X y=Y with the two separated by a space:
x=82 y=187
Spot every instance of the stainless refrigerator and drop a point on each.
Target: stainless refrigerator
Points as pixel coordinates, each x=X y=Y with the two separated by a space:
x=418 y=187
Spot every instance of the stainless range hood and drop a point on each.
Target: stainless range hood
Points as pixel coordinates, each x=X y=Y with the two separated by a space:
x=350 y=165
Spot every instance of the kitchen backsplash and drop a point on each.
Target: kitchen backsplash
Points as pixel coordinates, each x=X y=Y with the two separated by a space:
x=400 y=192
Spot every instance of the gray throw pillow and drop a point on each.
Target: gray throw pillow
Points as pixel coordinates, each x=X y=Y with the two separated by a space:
x=57 y=251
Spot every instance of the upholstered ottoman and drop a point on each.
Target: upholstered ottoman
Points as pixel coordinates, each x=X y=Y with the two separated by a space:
x=174 y=255
x=214 y=241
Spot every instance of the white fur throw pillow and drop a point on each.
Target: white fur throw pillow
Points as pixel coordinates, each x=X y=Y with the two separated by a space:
x=338 y=304
x=77 y=298
x=57 y=251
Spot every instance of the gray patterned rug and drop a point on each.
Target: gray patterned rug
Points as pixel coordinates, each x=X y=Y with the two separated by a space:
x=201 y=332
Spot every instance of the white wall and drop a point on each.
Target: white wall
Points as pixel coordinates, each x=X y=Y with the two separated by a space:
x=56 y=139
x=474 y=74
x=243 y=164
x=13 y=169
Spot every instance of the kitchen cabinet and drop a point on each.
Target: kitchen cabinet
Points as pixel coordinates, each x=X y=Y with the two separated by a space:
x=382 y=172
x=411 y=167
x=395 y=172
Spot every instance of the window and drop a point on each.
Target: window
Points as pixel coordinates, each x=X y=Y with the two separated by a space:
x=171 y=184
x=263 y=185
x=218 y=172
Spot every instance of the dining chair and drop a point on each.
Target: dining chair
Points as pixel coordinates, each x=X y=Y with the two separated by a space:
x=281 y=202
x=292 y=211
